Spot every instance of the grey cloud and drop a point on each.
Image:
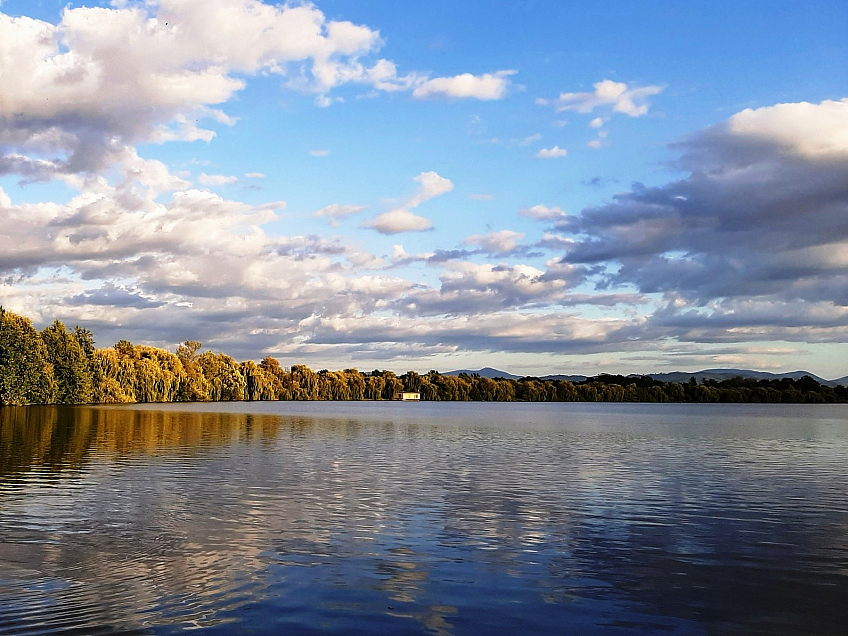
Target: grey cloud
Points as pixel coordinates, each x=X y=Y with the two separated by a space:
x=443 y=256
x=113 y=296
x=751 y=219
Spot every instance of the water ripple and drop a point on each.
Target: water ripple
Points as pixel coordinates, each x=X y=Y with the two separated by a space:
x=439 y=519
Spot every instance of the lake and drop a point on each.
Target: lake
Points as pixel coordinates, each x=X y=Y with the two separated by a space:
x=437 y=518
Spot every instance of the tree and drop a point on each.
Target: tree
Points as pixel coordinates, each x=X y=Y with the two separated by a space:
x=26 y=376
x=194 y=387
x=391 y=385
x=374 y=385
x=224 y=376
x=187 y=351
x=114 y=377
x=259 y=385
x=274 y=375
x=71 y=365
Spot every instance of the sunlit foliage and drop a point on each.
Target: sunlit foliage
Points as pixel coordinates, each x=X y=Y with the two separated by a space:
x=64 y=367
x=26 y=376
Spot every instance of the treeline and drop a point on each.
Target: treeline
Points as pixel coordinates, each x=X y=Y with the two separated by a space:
x=61 y=366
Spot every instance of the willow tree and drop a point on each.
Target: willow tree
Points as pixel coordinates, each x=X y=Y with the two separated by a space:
x=159 y=374
x=195 y=387
x=259 y=385
x=224 y=376
x=278 y=378
x=304 y=383
x=114 y=377
x=26 y=376
x=374 y=385
x=355 y=384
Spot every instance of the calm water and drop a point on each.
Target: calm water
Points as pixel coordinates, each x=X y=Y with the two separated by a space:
x=282 y=518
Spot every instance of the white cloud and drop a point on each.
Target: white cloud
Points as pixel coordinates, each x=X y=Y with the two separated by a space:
x=76 y=94
x=597 y=122
x=401 y=219
x=319 y=153
x=432 y=185
x=254 y=175
x=106 y=77
x=752 y=243
x=335 y=212
x=397 y=221
x=551 y=153
x=323 y=101
x=489 y=86
x=498 y=243
x=631 y=101
x=481 y=197
x=216 y=179
x=543 y=213
x=810 y=130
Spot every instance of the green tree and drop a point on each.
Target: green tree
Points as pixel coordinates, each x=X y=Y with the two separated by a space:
x=71 y=365
x=26 y=376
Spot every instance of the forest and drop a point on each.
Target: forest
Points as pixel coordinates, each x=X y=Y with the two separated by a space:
x=62 y=366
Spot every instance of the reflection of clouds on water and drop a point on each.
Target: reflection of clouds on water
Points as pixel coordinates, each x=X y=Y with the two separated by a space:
x=130 y=518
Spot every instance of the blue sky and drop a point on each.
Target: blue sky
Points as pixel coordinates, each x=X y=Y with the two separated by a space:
x=536 y=186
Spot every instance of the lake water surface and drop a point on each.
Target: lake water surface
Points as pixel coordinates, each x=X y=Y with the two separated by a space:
x=367 y=518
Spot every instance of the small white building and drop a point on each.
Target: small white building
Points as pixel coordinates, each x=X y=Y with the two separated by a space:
x=408 y=396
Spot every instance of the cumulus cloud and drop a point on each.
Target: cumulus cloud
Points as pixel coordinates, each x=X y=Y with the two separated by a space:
x=760 y=219
x=475 y=289
x=335 y=212
x=487 y=87
x=401 y=219
x=498 y=243
x=631 y=101
x=432 y=185
x=551 y=153
x=814 y=131
x=139 y=252
x=397 y=221
x=104 y=78
x=750 y=245
x=78 y=92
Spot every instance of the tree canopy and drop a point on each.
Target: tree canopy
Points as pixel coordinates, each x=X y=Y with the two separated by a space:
x=58 y=366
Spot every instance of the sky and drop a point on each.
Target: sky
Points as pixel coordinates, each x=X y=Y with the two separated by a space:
x=537 y=186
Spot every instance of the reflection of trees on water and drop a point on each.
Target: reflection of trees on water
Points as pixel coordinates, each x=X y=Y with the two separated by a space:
x=55 y=438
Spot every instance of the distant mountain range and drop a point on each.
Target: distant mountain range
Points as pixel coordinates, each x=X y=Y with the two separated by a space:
x=489 y=372
x=673 y=376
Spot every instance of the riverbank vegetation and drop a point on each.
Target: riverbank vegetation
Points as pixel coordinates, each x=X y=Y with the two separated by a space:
x=62 y=366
